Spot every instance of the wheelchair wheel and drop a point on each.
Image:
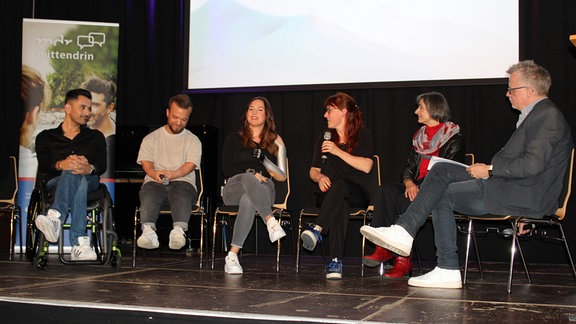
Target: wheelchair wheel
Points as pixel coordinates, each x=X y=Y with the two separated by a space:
x=39 y=260
x=116 y=261
x=34 y=209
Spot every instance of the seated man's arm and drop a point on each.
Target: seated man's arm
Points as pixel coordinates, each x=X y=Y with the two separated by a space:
x=148 y=167
x=186 y=168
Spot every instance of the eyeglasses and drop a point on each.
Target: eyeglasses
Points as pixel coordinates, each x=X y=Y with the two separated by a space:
x=517 y=88
x=329 y=109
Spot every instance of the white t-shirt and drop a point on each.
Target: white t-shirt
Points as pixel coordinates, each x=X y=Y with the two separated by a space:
x=170 y=151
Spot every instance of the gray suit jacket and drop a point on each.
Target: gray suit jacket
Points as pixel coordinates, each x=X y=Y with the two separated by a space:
x=528 y=172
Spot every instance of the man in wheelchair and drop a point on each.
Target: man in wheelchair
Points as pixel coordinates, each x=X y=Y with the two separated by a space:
x=71 y=157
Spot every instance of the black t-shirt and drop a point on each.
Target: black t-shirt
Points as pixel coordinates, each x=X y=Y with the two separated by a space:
x=334 y=167
x=237 y=159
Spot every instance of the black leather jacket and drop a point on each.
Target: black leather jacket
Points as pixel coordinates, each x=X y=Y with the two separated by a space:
x=453 y=150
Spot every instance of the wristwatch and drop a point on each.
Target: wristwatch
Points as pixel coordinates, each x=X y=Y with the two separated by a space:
x=92 y=170
x=490 y=171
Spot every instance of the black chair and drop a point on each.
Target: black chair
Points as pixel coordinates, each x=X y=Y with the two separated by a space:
x=100 y=225
x=279 y=210
x=197 y=210
x=514 y=220
x=355 y=213
x=8 y=191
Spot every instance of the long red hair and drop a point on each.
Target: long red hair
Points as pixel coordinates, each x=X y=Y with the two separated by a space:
x=353 y=118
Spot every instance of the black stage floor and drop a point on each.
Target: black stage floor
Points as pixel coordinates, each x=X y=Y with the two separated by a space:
x=171 y=288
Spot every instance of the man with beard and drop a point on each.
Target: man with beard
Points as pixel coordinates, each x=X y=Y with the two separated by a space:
x=169 y=156
x=70 y=158
x=523 y=178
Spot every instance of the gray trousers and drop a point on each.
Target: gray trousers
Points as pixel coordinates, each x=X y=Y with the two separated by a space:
x=178 y=195
x=251 y=196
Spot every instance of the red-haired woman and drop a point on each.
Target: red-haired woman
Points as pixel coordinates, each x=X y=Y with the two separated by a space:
x=341 y=166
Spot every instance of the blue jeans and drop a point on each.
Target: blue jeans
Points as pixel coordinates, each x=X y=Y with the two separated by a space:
x=71 y=195
x=178 y=195
x=251 y=196
x=446 y=188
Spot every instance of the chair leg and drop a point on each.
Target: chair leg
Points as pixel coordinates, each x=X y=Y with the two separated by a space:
x=478 y=261
x=20 y=230
x=11 y=244
x=363 y=246
x=298 y=242
x=134 y=237
x=278 y=256
x=201 y=251
x=519 y=247
x=468 y=239
x=214 y=238
x=471 y=239
x=417 y=252
x=512 y=253
x=567 y=250
x=255 y=223
x=278 y=247
x=323 y=253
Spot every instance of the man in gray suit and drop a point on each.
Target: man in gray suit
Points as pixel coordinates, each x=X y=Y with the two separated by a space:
x=524 y=178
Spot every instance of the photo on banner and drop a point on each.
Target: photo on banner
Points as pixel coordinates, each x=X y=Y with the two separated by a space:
x=58 y=56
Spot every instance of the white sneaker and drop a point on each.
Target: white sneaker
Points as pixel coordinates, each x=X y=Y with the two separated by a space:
x=438 y=278
x=232 y=265
x=275 y=231
x=83 y=251
x=148 y=239
x=49 y=225
x=177 y=238
x=394 y=238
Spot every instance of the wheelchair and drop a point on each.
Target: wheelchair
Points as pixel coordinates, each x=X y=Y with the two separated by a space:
x=100 y=226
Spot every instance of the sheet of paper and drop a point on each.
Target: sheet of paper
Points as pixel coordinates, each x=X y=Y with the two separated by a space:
x=436 y=159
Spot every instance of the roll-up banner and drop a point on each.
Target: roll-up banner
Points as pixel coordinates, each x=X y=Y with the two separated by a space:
x=58 y=56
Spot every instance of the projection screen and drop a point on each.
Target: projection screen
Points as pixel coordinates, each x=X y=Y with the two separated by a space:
x=240 y=44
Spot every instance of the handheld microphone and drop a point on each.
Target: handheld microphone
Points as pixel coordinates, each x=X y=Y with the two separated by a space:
x=327 y=137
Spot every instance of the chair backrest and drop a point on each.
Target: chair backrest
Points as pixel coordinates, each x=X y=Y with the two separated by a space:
x=376 y=168
x=566 y=189
x=9 y=184
x=470 y=158
x=375 y=175
x=282 y=190
x=199 y=187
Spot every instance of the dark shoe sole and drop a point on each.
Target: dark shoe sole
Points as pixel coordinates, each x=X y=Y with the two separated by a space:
x=371 y=262
x=404 y=277
x=308 y=242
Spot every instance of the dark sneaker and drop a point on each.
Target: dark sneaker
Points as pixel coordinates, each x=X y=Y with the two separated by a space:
x=334 y=269
x=310 y=238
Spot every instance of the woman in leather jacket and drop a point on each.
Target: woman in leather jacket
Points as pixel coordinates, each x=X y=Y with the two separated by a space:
x=437 y=137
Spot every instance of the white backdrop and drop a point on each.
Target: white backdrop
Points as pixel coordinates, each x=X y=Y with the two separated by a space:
x=256 y=43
